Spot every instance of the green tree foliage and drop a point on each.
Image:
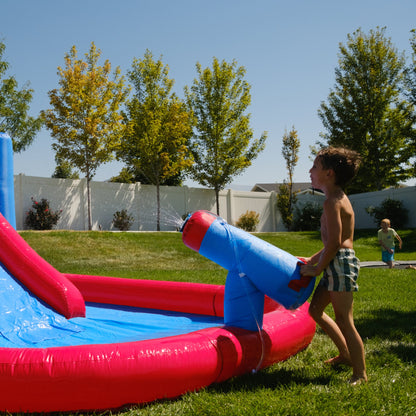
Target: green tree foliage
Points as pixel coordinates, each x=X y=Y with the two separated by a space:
x=410 y=72
x=132 y=175
x=286 y=198
x=14 y=107
x=222 y=142
x=154 y=146
x=85 y=119
x=307 y=217
x=367 y=113
x=283 y=204
x=63 y=170
x=125 y=176
x=410 y=89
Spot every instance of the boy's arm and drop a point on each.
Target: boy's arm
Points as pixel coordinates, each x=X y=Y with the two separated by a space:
x=382 y=244
x=332 y=244
x=399 y=240
x=314 y=258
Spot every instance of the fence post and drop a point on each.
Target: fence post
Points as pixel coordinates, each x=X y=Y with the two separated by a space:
x=84 y=203
x=273 y=210
x=230 y=207
x=18 y=197
x=186 y=199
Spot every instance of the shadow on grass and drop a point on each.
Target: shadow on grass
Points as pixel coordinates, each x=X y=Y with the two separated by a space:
x=392 y=330
x=395 y=329
x=278 y=378
x=388 y=323
x=406 y=353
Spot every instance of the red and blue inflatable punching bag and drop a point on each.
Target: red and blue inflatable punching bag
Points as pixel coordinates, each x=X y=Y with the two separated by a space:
x=255 y=268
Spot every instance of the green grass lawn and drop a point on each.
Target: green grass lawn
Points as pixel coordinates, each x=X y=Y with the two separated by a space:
x=384 y=310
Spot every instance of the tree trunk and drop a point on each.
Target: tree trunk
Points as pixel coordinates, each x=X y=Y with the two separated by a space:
x=89 y=204
x=158 y=206
x=217 y=200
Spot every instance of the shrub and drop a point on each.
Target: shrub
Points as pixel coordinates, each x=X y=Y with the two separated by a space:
x=308 y=217
x=248 y=221
x=285 y=203
x=40 y=216
x=122 y=220
x=391 y=209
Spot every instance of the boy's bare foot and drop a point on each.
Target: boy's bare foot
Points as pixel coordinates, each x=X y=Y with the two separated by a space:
x=338 y=360
x=356 y=381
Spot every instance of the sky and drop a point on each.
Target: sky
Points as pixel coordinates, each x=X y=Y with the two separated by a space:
x=290 y=50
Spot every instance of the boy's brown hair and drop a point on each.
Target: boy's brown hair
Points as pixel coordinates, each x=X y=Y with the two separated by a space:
x=344 y=162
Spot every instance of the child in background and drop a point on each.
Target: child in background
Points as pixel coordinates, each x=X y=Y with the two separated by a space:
x=386 y=236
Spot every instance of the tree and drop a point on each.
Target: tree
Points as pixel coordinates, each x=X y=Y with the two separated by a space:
x=367 y=113
x=221 y=140
x=63 y=170
x=133 y=175
x=159 y=125
x=410 y=88
x=85 y=119
x=14 y=107
x=286 y=198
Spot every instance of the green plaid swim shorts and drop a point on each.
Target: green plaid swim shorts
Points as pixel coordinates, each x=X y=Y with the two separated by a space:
x=342 y=272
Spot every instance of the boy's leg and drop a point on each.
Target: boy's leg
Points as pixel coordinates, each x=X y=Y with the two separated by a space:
x=320 y=300
x=342 y=303
x=388 y=258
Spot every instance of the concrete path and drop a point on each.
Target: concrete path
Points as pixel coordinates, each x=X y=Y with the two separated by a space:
x=398 y=264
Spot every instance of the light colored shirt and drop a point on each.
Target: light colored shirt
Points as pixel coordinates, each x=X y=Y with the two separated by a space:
x=387 y=238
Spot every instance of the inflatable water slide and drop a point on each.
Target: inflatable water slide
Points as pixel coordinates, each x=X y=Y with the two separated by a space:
x=77 y=342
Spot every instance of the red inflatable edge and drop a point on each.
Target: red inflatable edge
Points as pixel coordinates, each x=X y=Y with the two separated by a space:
x=97 y=377
x=40 y=277
x=184 y=297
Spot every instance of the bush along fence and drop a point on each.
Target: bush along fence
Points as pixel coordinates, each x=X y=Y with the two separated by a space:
x=136 y=204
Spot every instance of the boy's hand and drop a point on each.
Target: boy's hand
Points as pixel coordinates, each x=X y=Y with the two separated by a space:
x=307 y=260
x=309 y=270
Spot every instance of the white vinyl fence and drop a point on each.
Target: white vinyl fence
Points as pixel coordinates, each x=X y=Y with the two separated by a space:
x=361 y=202
x=139 y=200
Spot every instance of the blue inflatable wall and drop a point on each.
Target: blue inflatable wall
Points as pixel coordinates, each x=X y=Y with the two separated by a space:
x=255 y=268
x=6 y=179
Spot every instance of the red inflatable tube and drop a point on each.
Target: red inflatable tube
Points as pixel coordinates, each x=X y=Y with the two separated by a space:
x=94 y=377
x=140 y=292
x=133 y=292
x=37 y=274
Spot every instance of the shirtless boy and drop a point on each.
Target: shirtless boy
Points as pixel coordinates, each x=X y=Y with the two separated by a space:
x=333 y=168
